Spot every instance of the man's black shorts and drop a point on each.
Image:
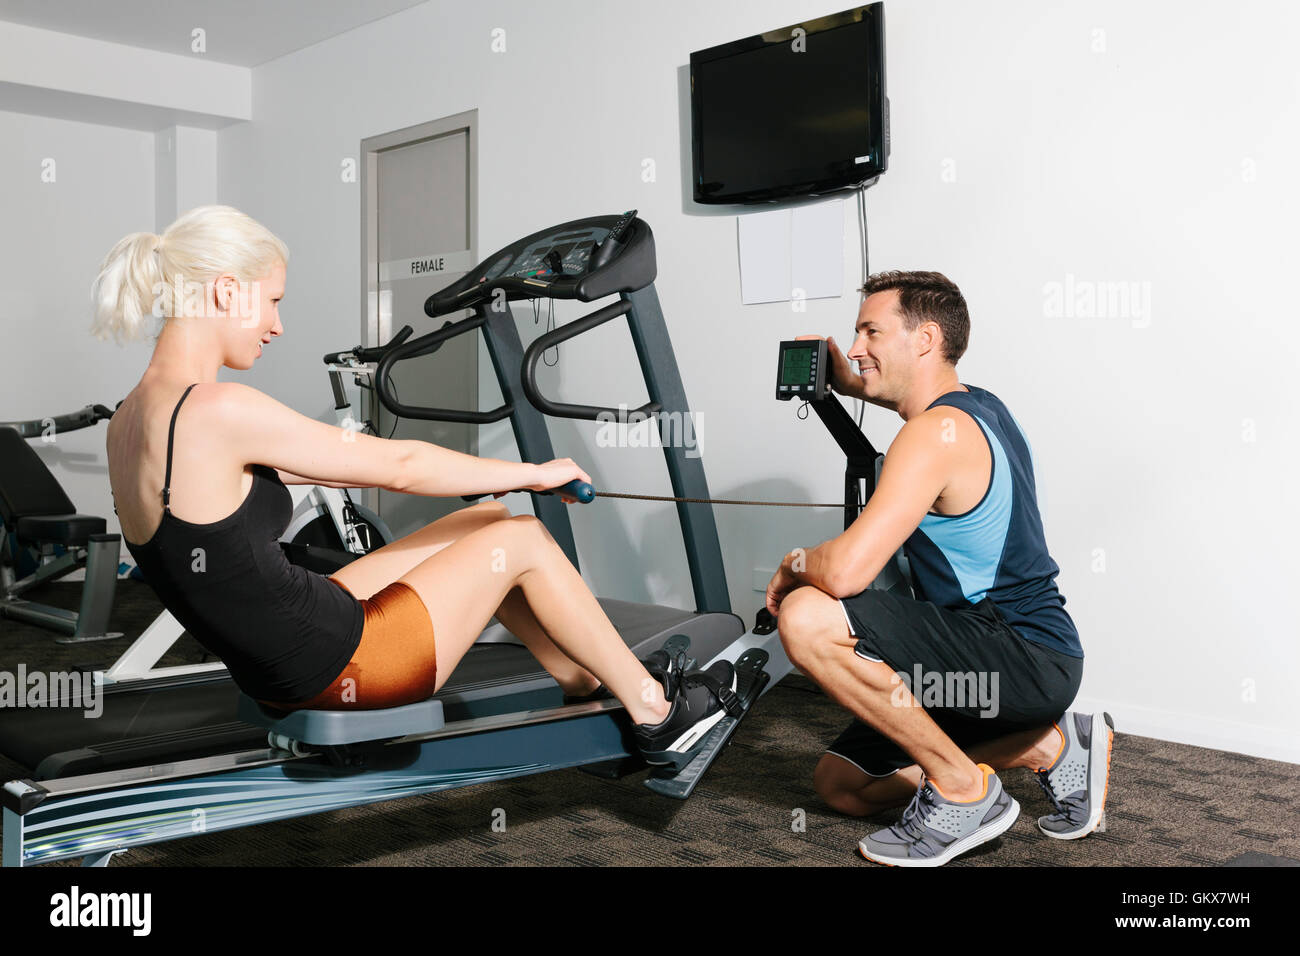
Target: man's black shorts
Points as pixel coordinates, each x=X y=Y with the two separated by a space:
x=1034 y=684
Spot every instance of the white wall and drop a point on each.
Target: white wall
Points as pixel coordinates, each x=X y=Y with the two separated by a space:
x=68 y=191
x=1131 y=163
x=1028 y=148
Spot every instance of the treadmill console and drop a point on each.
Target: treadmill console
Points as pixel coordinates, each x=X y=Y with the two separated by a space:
x=801 y=370
x=552 y=256
x=585 y=259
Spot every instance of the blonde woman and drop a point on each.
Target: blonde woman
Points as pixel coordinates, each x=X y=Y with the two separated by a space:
x=198 y=469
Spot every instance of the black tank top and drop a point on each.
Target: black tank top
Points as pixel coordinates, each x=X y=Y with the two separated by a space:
x=283 y=632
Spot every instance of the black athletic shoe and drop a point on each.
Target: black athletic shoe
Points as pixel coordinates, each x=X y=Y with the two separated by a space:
x=699 y=698
x=657 y=664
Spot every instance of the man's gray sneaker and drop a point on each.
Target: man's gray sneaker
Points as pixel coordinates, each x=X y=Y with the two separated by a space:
x=935 y=829
x=1077 y=780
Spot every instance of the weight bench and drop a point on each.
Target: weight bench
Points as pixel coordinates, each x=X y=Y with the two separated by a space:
x=36 y=513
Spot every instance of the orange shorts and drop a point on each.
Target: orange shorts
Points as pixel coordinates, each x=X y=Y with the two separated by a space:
x=394 y=664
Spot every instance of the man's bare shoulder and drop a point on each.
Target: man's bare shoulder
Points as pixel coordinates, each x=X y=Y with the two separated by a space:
x=947 y=442
x=936 y=432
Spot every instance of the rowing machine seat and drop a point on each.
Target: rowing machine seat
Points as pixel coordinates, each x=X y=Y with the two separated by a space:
x=331 y=728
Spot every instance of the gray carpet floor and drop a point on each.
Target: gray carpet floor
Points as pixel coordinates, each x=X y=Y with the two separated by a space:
x=1169 y=804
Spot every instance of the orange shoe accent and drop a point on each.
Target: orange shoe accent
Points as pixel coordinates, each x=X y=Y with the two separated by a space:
x=984 y=769
x=1057 y=728
x=1110 y=750
x=870 y=860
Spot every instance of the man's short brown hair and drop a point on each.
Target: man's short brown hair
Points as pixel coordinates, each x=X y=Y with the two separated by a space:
x=928 y=297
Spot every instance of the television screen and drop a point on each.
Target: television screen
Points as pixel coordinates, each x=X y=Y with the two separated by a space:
x=791 y=112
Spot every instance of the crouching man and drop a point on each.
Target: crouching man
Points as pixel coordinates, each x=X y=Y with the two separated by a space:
x=974 y=674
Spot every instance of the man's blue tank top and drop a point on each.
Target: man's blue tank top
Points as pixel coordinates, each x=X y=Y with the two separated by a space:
x=997 y=549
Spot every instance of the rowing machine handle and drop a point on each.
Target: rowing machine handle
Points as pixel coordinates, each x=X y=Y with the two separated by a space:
x=576 y=488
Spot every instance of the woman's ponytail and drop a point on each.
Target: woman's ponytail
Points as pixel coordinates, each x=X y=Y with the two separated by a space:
x=129 y=282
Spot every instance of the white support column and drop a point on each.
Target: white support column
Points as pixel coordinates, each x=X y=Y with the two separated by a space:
x=185 y=172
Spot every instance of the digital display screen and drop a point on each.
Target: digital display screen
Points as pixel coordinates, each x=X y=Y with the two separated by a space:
x=796 y=367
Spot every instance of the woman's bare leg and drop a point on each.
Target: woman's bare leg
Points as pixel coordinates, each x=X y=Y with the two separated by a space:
x=373 y=572
x=465 y=582
x=520 y=621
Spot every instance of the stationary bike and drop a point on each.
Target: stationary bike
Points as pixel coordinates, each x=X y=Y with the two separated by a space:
x=327 y=519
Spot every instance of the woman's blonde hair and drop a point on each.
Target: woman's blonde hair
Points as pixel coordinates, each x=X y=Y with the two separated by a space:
x=137 y=276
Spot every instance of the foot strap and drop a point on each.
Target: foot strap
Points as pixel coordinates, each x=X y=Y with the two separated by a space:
x=726 y=697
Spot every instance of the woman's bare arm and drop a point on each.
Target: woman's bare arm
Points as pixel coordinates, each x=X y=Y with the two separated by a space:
x=260 y=430
x=289 y=478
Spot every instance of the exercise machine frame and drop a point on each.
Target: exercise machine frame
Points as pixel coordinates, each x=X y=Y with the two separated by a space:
x=98 y=552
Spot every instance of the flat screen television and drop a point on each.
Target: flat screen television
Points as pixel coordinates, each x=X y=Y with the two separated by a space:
x=791 y=112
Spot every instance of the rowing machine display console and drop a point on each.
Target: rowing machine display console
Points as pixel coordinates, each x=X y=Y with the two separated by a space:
x=801 y=371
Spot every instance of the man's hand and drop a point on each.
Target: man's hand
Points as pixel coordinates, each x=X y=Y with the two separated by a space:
x=843 y=379
x=782 y=583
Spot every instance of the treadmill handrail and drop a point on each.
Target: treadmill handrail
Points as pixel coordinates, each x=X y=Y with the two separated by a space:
x=565 y=332
x=423 y=345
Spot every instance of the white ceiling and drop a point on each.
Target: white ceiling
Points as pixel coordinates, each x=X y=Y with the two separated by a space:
x=239 y=32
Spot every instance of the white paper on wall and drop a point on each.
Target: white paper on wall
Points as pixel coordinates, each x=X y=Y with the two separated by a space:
x=792 y=249
x=817 y=249
x=764 y=239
